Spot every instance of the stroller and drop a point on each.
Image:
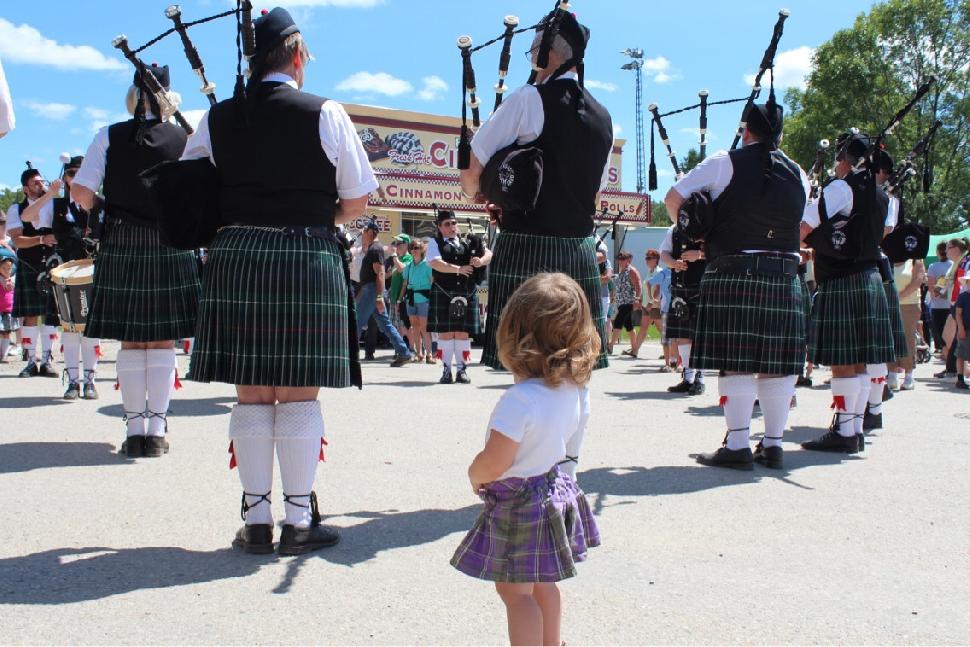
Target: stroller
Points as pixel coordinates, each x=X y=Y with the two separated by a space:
x=922 y=349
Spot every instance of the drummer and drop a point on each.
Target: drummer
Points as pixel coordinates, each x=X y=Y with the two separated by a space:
x=70 y=223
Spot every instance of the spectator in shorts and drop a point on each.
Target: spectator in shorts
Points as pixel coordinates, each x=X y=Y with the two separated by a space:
x=908 y=277
x=7 y=323
x=963 y=324
x=627 y=297
x=651 y=302
x=939 y=304
x=661 y=280
x=416 y=296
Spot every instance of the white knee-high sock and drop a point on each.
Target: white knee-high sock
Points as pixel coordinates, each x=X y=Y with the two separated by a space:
x=28 y=341
x=133 y=384
x=251 y=438
x=71 y=341
x=775 y=394
x=160 y=366
x=298 y=431
x=47 y=336
x=446 y=350
x=4 y=346
x=463 y=352
x=89 y=355
x=862 y=399
x=845 y=391
x=738 y=393
x=684 y=350
x=877 y=379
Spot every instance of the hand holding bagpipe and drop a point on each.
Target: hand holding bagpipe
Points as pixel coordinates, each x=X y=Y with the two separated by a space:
x=767 y=62
x=165 y=103
x=174 y=12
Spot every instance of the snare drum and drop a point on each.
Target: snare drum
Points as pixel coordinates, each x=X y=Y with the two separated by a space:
x=73 y=285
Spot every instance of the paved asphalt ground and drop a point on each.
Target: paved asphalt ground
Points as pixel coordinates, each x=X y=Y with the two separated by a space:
x=98 y=549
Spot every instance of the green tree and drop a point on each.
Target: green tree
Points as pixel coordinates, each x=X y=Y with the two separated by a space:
x=864 y=74
x=9 y=197
x=690 y=160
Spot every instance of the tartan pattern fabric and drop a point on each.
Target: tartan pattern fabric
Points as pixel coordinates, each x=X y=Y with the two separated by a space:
x=896 y=320
x=438 y=312
x=28 y=301
x=683 y=327
x=531 y=530
x=850 y=322
x=274 y=312
x=750 y=324
x=143 y=291
x=518 y=257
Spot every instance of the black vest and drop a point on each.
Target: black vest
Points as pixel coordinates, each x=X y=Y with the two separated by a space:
x=695 y=271
x=864 y=231
x=124 y=195
x=274 y=172
x=576 y=141
x=70 y=235
x=37 y=255
x=457 y=253
x=755 y=212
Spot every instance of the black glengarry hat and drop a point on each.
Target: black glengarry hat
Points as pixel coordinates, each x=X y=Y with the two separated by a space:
x=766 y=120
x=159 y=72
x=444 y=214
x=271 y=28
x=883 y=161
x=574 y=33
x=854 y=143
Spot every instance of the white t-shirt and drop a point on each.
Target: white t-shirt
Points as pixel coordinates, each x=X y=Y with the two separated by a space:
x=547 y=422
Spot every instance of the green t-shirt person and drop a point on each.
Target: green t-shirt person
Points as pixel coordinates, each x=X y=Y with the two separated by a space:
x=401 y=242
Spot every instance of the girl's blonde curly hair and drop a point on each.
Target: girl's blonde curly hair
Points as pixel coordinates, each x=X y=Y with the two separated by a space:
x=547 y=331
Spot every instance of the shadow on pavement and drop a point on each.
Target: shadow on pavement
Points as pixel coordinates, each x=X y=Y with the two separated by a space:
x=646 y=395
x=24 y=457
x=65 y=575
x=195 y=407
x=28 y=401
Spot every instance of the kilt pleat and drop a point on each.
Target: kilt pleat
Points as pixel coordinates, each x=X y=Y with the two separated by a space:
x=439 y=318
x=750 y=324
x=274 y=312
x=850 y=321
x=530 y=530
x=683 y=327
x=28 y=301
x=143 y=291
x=896 y=320
x=518 y=257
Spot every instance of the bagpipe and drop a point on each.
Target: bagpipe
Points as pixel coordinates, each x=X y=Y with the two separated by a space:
x=657 y=125
x=187 y=209
x=908 y=240
x=513 y=176
x=245 y=44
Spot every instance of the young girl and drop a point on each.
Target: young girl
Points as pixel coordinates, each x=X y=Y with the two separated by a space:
x=536 y=523
x=7 y=323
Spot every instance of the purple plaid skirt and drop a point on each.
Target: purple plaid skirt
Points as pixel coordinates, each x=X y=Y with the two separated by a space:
x=531 y=530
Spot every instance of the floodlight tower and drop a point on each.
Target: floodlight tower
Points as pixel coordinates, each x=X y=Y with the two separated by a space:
x=636 y=64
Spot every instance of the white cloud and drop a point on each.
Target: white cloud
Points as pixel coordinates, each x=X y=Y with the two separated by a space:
x=792 y=68
x=98 y=118
x=605 y=86
x=24 y=44
x=432 y=89
x=617 y=129
x=696 y=132
x=659 y=70
x=341 y=4
x=381 y=83
x=54 y=111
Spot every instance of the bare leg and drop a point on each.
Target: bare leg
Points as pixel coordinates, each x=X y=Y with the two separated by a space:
x=523 y=613
x=546 y=595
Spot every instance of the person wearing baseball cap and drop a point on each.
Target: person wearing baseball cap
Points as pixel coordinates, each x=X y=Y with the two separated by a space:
x=398 y=258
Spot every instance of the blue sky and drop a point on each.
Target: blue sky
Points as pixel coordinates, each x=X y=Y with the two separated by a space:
x=66 y=79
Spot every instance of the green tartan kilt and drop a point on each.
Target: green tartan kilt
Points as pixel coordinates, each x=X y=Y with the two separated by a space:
x=896 y=320
x=750 y=324
x=683 y=327
x=274 y=312
x=518 y=257
x=439 y=319
x=28 y=301
x=143 y=291
x=850 y=322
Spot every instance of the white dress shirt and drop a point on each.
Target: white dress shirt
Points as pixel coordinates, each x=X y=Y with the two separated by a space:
x=838 y=200
x=519 y=120
x=433 y=253
x=714 y=174
x=338 y=138
x=44 y=219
